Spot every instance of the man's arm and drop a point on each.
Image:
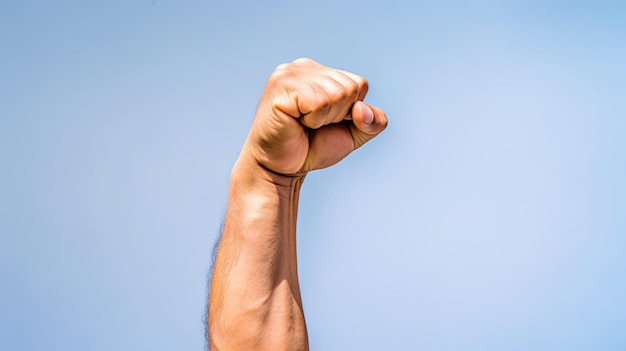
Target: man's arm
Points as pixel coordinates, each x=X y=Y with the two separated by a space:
x=309 y=117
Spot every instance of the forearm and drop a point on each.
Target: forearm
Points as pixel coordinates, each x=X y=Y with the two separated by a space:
x=255 y=296
x=309 y=117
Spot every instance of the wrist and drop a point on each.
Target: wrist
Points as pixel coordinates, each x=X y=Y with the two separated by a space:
x=251 y=174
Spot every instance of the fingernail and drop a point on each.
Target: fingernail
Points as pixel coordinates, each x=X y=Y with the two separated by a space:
x=368 y=115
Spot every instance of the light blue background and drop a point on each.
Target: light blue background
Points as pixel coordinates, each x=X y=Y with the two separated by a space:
x=491 y=215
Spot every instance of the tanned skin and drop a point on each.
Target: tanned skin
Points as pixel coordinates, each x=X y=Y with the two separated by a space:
x=309 y=117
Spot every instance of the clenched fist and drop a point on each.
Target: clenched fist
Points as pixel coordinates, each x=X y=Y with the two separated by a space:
x=310 y=117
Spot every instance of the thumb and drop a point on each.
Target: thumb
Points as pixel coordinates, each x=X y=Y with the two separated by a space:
x=367 y=122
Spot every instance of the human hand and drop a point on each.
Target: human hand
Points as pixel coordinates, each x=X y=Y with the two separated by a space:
x=311 y=116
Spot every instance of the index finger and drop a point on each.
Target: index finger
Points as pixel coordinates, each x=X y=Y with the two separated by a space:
x=360 y=81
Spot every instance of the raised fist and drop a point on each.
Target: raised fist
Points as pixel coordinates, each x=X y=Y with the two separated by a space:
x=310 y=117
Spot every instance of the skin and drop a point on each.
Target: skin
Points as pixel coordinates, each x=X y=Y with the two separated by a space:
x=309 y=117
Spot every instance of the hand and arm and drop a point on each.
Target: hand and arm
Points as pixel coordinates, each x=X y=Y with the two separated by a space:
x=310 y=117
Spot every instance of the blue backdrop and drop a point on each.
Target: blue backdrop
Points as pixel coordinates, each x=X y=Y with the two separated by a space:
x=491 y=215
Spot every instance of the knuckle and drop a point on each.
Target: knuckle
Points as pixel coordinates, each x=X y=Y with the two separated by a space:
x=287 y=69
x=302 y=61
x=338 y=93
x=284 y=77
x=279 y=74
x=352 y=89
x=363 y=83
x=322 y=103
x=281 y=67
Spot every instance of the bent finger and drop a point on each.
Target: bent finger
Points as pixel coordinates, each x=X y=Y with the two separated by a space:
x=361 y=82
